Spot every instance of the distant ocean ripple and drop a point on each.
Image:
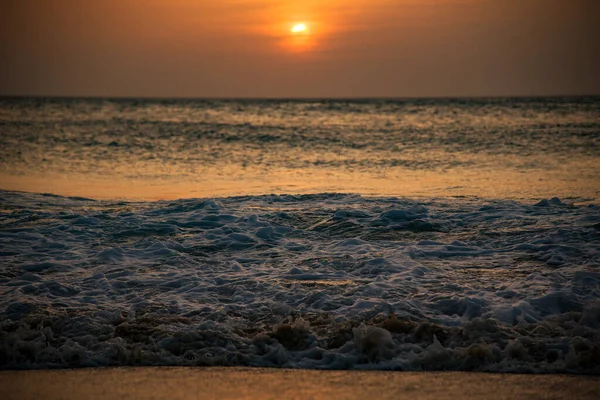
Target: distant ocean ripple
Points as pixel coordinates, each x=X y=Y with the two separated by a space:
x=502 y=148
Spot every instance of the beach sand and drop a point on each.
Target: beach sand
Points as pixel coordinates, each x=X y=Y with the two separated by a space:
x=246 y=383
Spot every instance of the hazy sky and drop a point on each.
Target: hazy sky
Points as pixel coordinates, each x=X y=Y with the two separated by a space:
x=244 y=48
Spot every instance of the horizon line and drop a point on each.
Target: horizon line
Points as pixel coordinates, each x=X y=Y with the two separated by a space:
x=298 y=98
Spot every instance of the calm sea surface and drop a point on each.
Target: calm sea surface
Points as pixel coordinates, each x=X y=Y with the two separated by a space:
x=496 y=148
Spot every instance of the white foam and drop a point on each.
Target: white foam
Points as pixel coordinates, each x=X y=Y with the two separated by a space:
x=324 y=281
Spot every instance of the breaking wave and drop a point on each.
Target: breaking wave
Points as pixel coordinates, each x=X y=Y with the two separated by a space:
x=328 y=281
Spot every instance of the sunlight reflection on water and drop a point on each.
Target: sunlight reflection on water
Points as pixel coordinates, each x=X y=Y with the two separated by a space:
x=167 y=149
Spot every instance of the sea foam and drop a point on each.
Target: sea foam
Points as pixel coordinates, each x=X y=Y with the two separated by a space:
x=326 y=281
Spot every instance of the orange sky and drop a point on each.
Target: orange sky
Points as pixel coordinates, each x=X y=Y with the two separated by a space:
x=244 y=48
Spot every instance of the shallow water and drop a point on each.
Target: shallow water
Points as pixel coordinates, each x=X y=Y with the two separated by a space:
x=327 y=281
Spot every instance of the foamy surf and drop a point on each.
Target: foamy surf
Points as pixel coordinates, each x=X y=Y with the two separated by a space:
x=328 y=281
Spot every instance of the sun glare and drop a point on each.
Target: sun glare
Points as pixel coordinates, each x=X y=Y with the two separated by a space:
x=301 y=37
x=300 y=28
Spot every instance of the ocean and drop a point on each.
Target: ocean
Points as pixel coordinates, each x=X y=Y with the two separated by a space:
x=416 y=234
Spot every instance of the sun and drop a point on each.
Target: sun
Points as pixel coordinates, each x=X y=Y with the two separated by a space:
x=299 y=28
x=301 y=36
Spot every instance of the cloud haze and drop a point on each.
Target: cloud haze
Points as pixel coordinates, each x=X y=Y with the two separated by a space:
x=243 y=48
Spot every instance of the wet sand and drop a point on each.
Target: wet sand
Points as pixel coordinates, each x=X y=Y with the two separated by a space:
x=250 y=383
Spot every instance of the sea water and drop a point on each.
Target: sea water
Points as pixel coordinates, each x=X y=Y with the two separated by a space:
x=457 y=234
x=154 y=150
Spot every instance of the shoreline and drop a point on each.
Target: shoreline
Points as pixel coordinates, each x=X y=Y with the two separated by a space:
x=238 y=383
